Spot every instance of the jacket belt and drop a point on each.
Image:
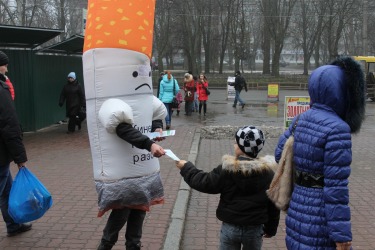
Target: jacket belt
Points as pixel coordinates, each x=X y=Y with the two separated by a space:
x=306 y=179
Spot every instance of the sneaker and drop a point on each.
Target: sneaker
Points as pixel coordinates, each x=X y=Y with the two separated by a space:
x=233 y=106
x=243 y=105
x=23 y=228
x=168 y=126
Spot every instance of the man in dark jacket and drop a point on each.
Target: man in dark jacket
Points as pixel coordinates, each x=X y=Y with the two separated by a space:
x=241 y=180
x=75 y=102
x=239 y=84
x=11 y=149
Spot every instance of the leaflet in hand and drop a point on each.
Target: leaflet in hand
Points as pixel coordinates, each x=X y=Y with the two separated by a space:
x=169 y=153
x=163 y=134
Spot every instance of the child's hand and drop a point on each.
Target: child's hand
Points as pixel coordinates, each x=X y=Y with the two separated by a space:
x=180 y=164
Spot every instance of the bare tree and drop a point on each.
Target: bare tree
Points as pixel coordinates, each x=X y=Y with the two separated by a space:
x=239 y=34
x=163 y=33
x=226 y=16
x=308 y=27
x=190 y=18
x=339 y=14
x=266 y=38
x=208 y=31
x=24 y=13
x=370 y=9
x=278 y=15
x=254 y=38
x=7 y=15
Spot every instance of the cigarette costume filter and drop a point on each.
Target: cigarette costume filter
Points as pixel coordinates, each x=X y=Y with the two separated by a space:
x=118 y=86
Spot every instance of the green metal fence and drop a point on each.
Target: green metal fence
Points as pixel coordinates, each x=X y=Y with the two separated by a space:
x=38 y=80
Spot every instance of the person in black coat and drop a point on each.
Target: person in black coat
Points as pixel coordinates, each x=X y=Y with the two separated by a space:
x=74 y=96
x=11 y=149
x=241 y=180
x=239 y=84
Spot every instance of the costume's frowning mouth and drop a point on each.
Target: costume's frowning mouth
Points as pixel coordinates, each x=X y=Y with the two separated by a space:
x=145 y=84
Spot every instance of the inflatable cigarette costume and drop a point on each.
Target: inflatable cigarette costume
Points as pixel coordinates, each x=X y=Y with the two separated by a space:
x=118 y=86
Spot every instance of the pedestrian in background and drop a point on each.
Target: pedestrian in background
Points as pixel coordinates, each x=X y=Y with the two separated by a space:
x=11 y=149
x=239 y=84
x=190 y=89
x=168 y=89
x=4 y=59
x=74 y=96
x=241 y=180
x=202 y=86
x=159 y=81
x=180 y=100
x=319 y=214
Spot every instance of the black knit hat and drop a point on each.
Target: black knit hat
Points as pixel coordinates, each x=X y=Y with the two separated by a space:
x=4 y=60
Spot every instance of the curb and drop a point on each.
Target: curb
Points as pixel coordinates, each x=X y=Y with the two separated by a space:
x=176 y=226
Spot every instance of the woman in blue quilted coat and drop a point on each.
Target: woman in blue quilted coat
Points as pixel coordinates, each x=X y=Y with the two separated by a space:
x=319 y=215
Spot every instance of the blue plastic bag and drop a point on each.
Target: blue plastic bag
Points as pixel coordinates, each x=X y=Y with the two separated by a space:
x=28 y=199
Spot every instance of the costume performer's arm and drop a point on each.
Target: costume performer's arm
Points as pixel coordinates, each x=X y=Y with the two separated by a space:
x=133 y=136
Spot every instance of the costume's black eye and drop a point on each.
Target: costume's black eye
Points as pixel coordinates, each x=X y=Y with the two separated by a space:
x=149 y=74
x=135 y=74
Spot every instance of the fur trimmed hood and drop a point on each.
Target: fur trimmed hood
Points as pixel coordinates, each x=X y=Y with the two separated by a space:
x=341 y=87
x=249 y=166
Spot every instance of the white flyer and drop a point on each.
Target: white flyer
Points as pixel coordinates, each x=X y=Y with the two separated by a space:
x=169 y=153
x=163 y=134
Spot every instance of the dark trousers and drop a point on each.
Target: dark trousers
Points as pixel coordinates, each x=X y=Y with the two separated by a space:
x=74 y=120
x=72 y=123
x=117 y=219
x=6 y=182
x=204 y=104
x=188 y=107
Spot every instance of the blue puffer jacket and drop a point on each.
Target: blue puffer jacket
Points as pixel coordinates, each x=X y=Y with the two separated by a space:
x=166 y=89
x=319 y=217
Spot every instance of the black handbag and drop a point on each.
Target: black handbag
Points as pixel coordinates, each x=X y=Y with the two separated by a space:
x=82 y=114
x=207 y=91
x=174 y=103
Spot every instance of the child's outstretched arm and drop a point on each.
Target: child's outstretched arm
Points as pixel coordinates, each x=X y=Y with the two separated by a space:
x=206 y=182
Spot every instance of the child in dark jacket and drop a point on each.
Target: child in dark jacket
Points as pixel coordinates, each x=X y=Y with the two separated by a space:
x=241 y=180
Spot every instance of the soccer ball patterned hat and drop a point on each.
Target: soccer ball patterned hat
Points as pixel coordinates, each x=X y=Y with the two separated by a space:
x=250 y=140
